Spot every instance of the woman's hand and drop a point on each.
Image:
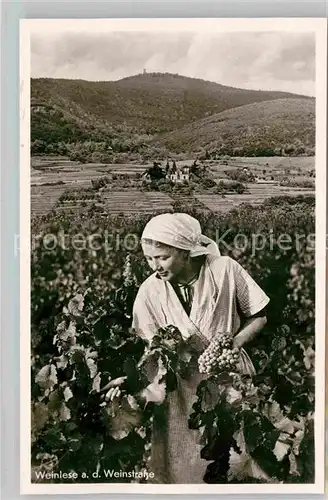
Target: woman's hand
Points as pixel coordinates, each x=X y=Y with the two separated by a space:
x=251 y=328
x=237 y=343
x=113 y=388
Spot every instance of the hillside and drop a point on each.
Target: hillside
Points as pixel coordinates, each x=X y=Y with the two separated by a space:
x=133 y=108
x=287 y=124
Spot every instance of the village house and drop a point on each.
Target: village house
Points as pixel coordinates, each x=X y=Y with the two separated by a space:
x=178 y=174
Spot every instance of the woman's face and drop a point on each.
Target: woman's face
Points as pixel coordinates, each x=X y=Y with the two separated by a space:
x=169 y=262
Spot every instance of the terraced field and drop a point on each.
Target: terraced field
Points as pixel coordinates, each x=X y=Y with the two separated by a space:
x=273 y=166
x=70 y=175
x=116 y=202
x=50 y=178
x=44 y=198
x=136 y=201
x=260 y=192
x=215 y=202
x=276 y=162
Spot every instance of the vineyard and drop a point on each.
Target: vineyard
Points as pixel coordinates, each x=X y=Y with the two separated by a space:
x=81 y=340
x=51 y=178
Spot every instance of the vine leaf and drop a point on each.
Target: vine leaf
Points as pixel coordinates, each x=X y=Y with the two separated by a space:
x=211 y=392
x=243 y=466
x=252 y=396
x=202 y=438
x=75 y=444
x=65 y=333
x=273 y=412
x=39 y=416
x=185 y=352
x=67 y=394
x=55 y=401
x=253 y=431
x=123 y=417
x=280 y=450
x=309 y=356
x=61 y=361
x=240 y=440
x=156 y=391
x=116 y=341
x=299 y=435
x=285 y=425
x=61 y=329
x=92 y=367
x=76 y=304
x=96 y=382
x=293 y=465
x=233 y=396
x=47 y=377
x=141 y=431
x=48 y=462
x=149 y=364
x=65 y=413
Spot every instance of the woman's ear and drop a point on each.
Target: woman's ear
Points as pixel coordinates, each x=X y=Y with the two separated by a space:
x=187 y=254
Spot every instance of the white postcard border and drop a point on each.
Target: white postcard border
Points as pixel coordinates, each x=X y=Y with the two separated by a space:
x=22 y=244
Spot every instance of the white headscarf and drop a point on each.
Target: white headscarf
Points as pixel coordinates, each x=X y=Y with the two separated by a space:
x=181 y=231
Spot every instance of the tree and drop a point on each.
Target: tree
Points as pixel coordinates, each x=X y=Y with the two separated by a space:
x=155 y=172
x=289 y=150
x=38 y=147
x=208 y=183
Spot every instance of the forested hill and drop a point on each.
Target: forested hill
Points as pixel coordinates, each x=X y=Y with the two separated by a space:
x=281 y=126
x=137 y=106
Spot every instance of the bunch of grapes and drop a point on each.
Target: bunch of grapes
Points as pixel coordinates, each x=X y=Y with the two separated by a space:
x=220 y=355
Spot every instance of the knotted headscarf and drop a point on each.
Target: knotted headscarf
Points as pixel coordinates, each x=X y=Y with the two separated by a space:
x=181 y=231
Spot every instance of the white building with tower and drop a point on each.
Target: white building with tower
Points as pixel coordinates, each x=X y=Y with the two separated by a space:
x=178 y=174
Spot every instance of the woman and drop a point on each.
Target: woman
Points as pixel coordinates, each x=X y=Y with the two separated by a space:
x=202 y=293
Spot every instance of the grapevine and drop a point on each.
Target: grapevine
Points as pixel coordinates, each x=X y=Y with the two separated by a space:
x=81 y=339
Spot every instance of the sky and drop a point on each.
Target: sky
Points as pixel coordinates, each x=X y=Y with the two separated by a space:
x=277 y=60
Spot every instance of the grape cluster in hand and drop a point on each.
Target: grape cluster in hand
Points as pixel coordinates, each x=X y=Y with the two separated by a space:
x=220 y=355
